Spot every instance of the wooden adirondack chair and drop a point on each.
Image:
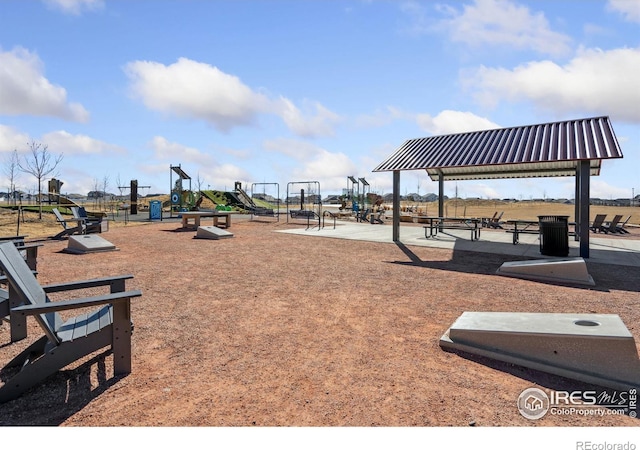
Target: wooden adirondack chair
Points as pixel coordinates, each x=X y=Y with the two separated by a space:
x=68 y=229
x=4 y=305
x=598 y=223
x=64 y=341
x=495 y=222
x=612 y=227
x=30 y=254
x=92 y=224
x=621 y=226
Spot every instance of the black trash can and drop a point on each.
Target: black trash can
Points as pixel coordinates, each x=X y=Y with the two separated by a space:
x=554 y=235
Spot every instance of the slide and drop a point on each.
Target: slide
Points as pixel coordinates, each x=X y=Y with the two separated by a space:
x=62 y=200
x=245 y=199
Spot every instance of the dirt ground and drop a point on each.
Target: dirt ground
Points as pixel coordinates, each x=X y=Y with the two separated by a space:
x=275 y=329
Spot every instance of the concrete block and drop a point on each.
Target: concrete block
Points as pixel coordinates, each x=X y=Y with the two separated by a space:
x=593 y=348
x=89 y=243
x=558 y=270
x=211 y=232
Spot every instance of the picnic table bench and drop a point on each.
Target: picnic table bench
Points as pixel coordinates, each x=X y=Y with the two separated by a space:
x=451 y=223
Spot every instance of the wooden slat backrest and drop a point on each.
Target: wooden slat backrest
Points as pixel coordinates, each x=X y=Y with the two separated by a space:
x=59 y=218
x=26 y=286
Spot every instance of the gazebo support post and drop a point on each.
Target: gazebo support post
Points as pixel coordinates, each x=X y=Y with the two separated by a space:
x=440 y=194
x=396 y=206
x=582 y=219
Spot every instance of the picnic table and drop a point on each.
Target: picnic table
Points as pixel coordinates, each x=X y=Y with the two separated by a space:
x=451 y=223
x=187 y=216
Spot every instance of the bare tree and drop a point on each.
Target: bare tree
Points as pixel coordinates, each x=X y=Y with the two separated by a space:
x=40 y=162
x=96 y=193
x=11 y=171
x=105 y=186
x=121 y=188
x=199 y=182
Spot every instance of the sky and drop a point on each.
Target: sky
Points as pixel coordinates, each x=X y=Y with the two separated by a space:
x=275 y=91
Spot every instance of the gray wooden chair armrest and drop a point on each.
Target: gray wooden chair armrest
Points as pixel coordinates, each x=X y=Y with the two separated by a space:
x=83 y=284
x=114 y=298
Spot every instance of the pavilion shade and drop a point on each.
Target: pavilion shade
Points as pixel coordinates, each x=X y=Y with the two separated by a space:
x=545 y=150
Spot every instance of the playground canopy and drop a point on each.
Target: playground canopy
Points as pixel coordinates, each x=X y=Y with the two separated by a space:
x=567 y=148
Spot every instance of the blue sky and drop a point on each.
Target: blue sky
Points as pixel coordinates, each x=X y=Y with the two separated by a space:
x=288 y=91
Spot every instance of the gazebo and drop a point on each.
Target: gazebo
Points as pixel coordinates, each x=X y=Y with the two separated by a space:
x=557 y=149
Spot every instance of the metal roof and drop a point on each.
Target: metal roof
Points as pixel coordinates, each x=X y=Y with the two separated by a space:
x=544 y=150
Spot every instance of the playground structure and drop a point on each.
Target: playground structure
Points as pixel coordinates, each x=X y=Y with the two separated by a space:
x=366 y=206
x=181 y=199
x=310 y=202
x=240 y=198
x=184 y=199
x=133 y=195
x=261 y=211
x=352 y=198
x=54 y=196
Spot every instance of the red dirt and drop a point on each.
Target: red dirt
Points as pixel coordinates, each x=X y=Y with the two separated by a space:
x=274 y=329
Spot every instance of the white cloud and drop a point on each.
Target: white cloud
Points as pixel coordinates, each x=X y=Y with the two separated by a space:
x=58 y=142
x=197 y=90
x=382 y=117
x=630 y=9
x=169 y=151
x=479 y=190
x=602 y=189
x=449 y=122
x=192 y=89
x=293 y=148
x=330 y=169
x=223 y=176
x=78 y=144
x=198 y=164
x=595 y=82
x=504 y=23
x=75 y=7
x=12 y=139
x=313 y=163
x=317 y=121
x=24 y=90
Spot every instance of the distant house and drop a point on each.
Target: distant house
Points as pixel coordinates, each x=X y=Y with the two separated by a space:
x=333 y=200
